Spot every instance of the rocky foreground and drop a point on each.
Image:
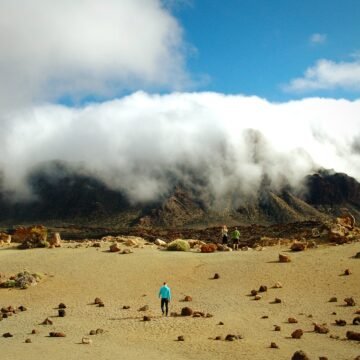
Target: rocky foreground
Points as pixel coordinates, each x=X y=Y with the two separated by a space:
x=98 y=300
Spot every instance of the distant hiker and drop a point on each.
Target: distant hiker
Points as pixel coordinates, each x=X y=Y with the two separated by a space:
x=165 y=296
x=224 y=234
x=235 y=238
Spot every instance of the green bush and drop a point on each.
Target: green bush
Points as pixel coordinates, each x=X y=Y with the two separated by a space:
x=178 y=245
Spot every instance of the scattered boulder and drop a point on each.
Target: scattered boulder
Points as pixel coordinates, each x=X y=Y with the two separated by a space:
x=54 y=240
x=47 y=321
x=181 y=338
x=284 y=258
x=321 y=329
x=352 y=335
x=187 y=298
x=86 y=341
x=350 y=301
x=257 y=297
x=114 y=248
x=253 y=292
x=231 y=337
x=99 y=331
x=220 y=323
x=98 y=301
x=347 y=272
x=22 y=308
x=277 y=328
x=340 y=322
x=62 y=306
x=216 y=276
x=297 y=334
x=357 y=255
x=144 y=308
x=299 y=355
x=126 y=307
x=186 y=311
x=56 y=334
x=333 y=299
x=298 y=246
x=61 y=312
x=34 y=331
x=292 y=320
x=28 y=341
x=218 y=337
x=356 y=320
x=208 y=248
x=263 y=288
x=277 y=285
x=7 y=335
x=146 y=318
x=274 y=346
x=277 y=301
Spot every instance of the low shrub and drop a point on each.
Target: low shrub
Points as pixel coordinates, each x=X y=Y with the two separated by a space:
x=178 y=245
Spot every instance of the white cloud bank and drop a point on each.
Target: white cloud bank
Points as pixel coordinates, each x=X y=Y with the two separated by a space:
x=54 y=48
x=327 y=74
x=137 y=143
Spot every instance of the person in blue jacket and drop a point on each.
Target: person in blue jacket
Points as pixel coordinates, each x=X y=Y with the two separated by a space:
x=165 y=296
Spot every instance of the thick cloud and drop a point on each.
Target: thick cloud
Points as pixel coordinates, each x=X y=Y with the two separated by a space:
x=51 y=49
x=141 y=142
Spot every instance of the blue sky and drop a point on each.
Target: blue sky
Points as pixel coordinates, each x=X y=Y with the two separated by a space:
x=255 y=47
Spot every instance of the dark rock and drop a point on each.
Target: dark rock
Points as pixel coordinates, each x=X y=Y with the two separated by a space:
x=263 y=288
x=274 y=346
x=297 y=334
x=298 y=246
x=47 y=321
x=126 y=307
x=57 y=334
x=265 y=317
x=186 y=311
x=101 y=304
x=277 y=301
x=146 y=318
x=277 y=328
x=216 y=276
x=97 y=301
x=62 y=306
x=28 y=341
x=7 y=335
x=323 y=358
x=230 y=337
x=257 y=297
x=300 y=355
x=61 y=312
x=181 y=338
x=347 y=272
x=144 y=308
x=352 y=335
x=356 y=320
x=253 y=292
x=284 y=258
x=34 y=331
x=22 y=308
x=292 y=320
x=99 y=331
x=92 y=332
x=350 y=301
x=340 y=322
x=218 y=338
x=220 y=323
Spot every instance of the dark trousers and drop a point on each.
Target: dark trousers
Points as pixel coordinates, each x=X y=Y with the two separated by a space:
x=165 y=303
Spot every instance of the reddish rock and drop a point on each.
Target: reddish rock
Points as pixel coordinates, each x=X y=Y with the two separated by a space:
x=274 y=346
x=208 y=248
x=188 y=298
x=144 y=308
x=186 y=311
x=257 y=297
x=352 y=335
x=146 y=318
x=61 y=312
x=284 y=258
x=292 y=320
x=298 y=246
x=126 y=307
x=320 y=329
x=297 y=334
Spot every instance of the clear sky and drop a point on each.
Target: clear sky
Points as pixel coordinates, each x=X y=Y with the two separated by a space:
x=256 y=47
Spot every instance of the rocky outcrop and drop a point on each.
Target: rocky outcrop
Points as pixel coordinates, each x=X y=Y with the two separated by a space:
x=31 y=237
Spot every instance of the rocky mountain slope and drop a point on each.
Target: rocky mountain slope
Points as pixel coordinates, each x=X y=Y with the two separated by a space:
x=82 y=200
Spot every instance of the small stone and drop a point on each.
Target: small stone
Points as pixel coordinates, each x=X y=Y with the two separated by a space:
x=333 y=299
x=300 y=355
x=320 y=329
x=146 y=318
x=97 y=301
x=257 y=297
x=86 y=340
x=292 y=320
x=28 y=341
x=356 y=320
x=34 y=331
x=274 y=346
x=101 y=304
x=218 y=338
x=208 y=315
x=350 y=301
x=323 y=358
x=352 y=335
x=253 y=292
x=61 y=312
x=92 y=332
x=340 y=322
x=310 y=316
x=47 y=321
x=188 y=298
x=220 y=323
x=62 y=306
x=263 y=288
x=56 y=334
x=7 y=335
x=99 y=331
x=277 y=301
x=186 y=311
x=144 y=308
x=181 y=338
x=284 y=258
x=334 y=313
x=126 y=307
x=297 y=334
x=347 y=272
x=265 y=317
x=22 y=308
x=277 y=285
x=230 y=337
x=216 y=276
x=277 y=328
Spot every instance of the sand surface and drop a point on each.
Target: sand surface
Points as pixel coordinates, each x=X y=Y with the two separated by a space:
x=75 y=276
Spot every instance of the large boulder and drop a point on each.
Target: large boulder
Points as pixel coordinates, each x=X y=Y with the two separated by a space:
x=54 y=240
x=31 y=237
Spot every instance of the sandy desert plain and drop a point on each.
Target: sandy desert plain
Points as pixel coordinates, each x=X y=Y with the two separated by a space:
x=77 y=274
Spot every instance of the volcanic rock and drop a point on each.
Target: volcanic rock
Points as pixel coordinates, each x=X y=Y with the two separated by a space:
x=257 y=297
x=350 y=301
x=333 y=299
x=347 y=272
x=186 y=311
x=57 y=334
x=62 y=306
x=263 y=288
x=298 y=246
x=61 y=312
x=97 y=301
x=146 y=318
x=28 y=341
x=277 y=328
x=284 y=258
x=292 y=320
x=47 y=321
x=297 y=334
x=253 y=292
x=216 y=276
x=340 y=322
x=352 y=335
x=320 y=329
x=300 y=355
x=7 y=335
x=181 y=338
x=274 y=346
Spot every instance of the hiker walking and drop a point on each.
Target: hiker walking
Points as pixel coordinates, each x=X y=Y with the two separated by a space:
x=224 y=235
x=165 y=296
x=235 y=237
